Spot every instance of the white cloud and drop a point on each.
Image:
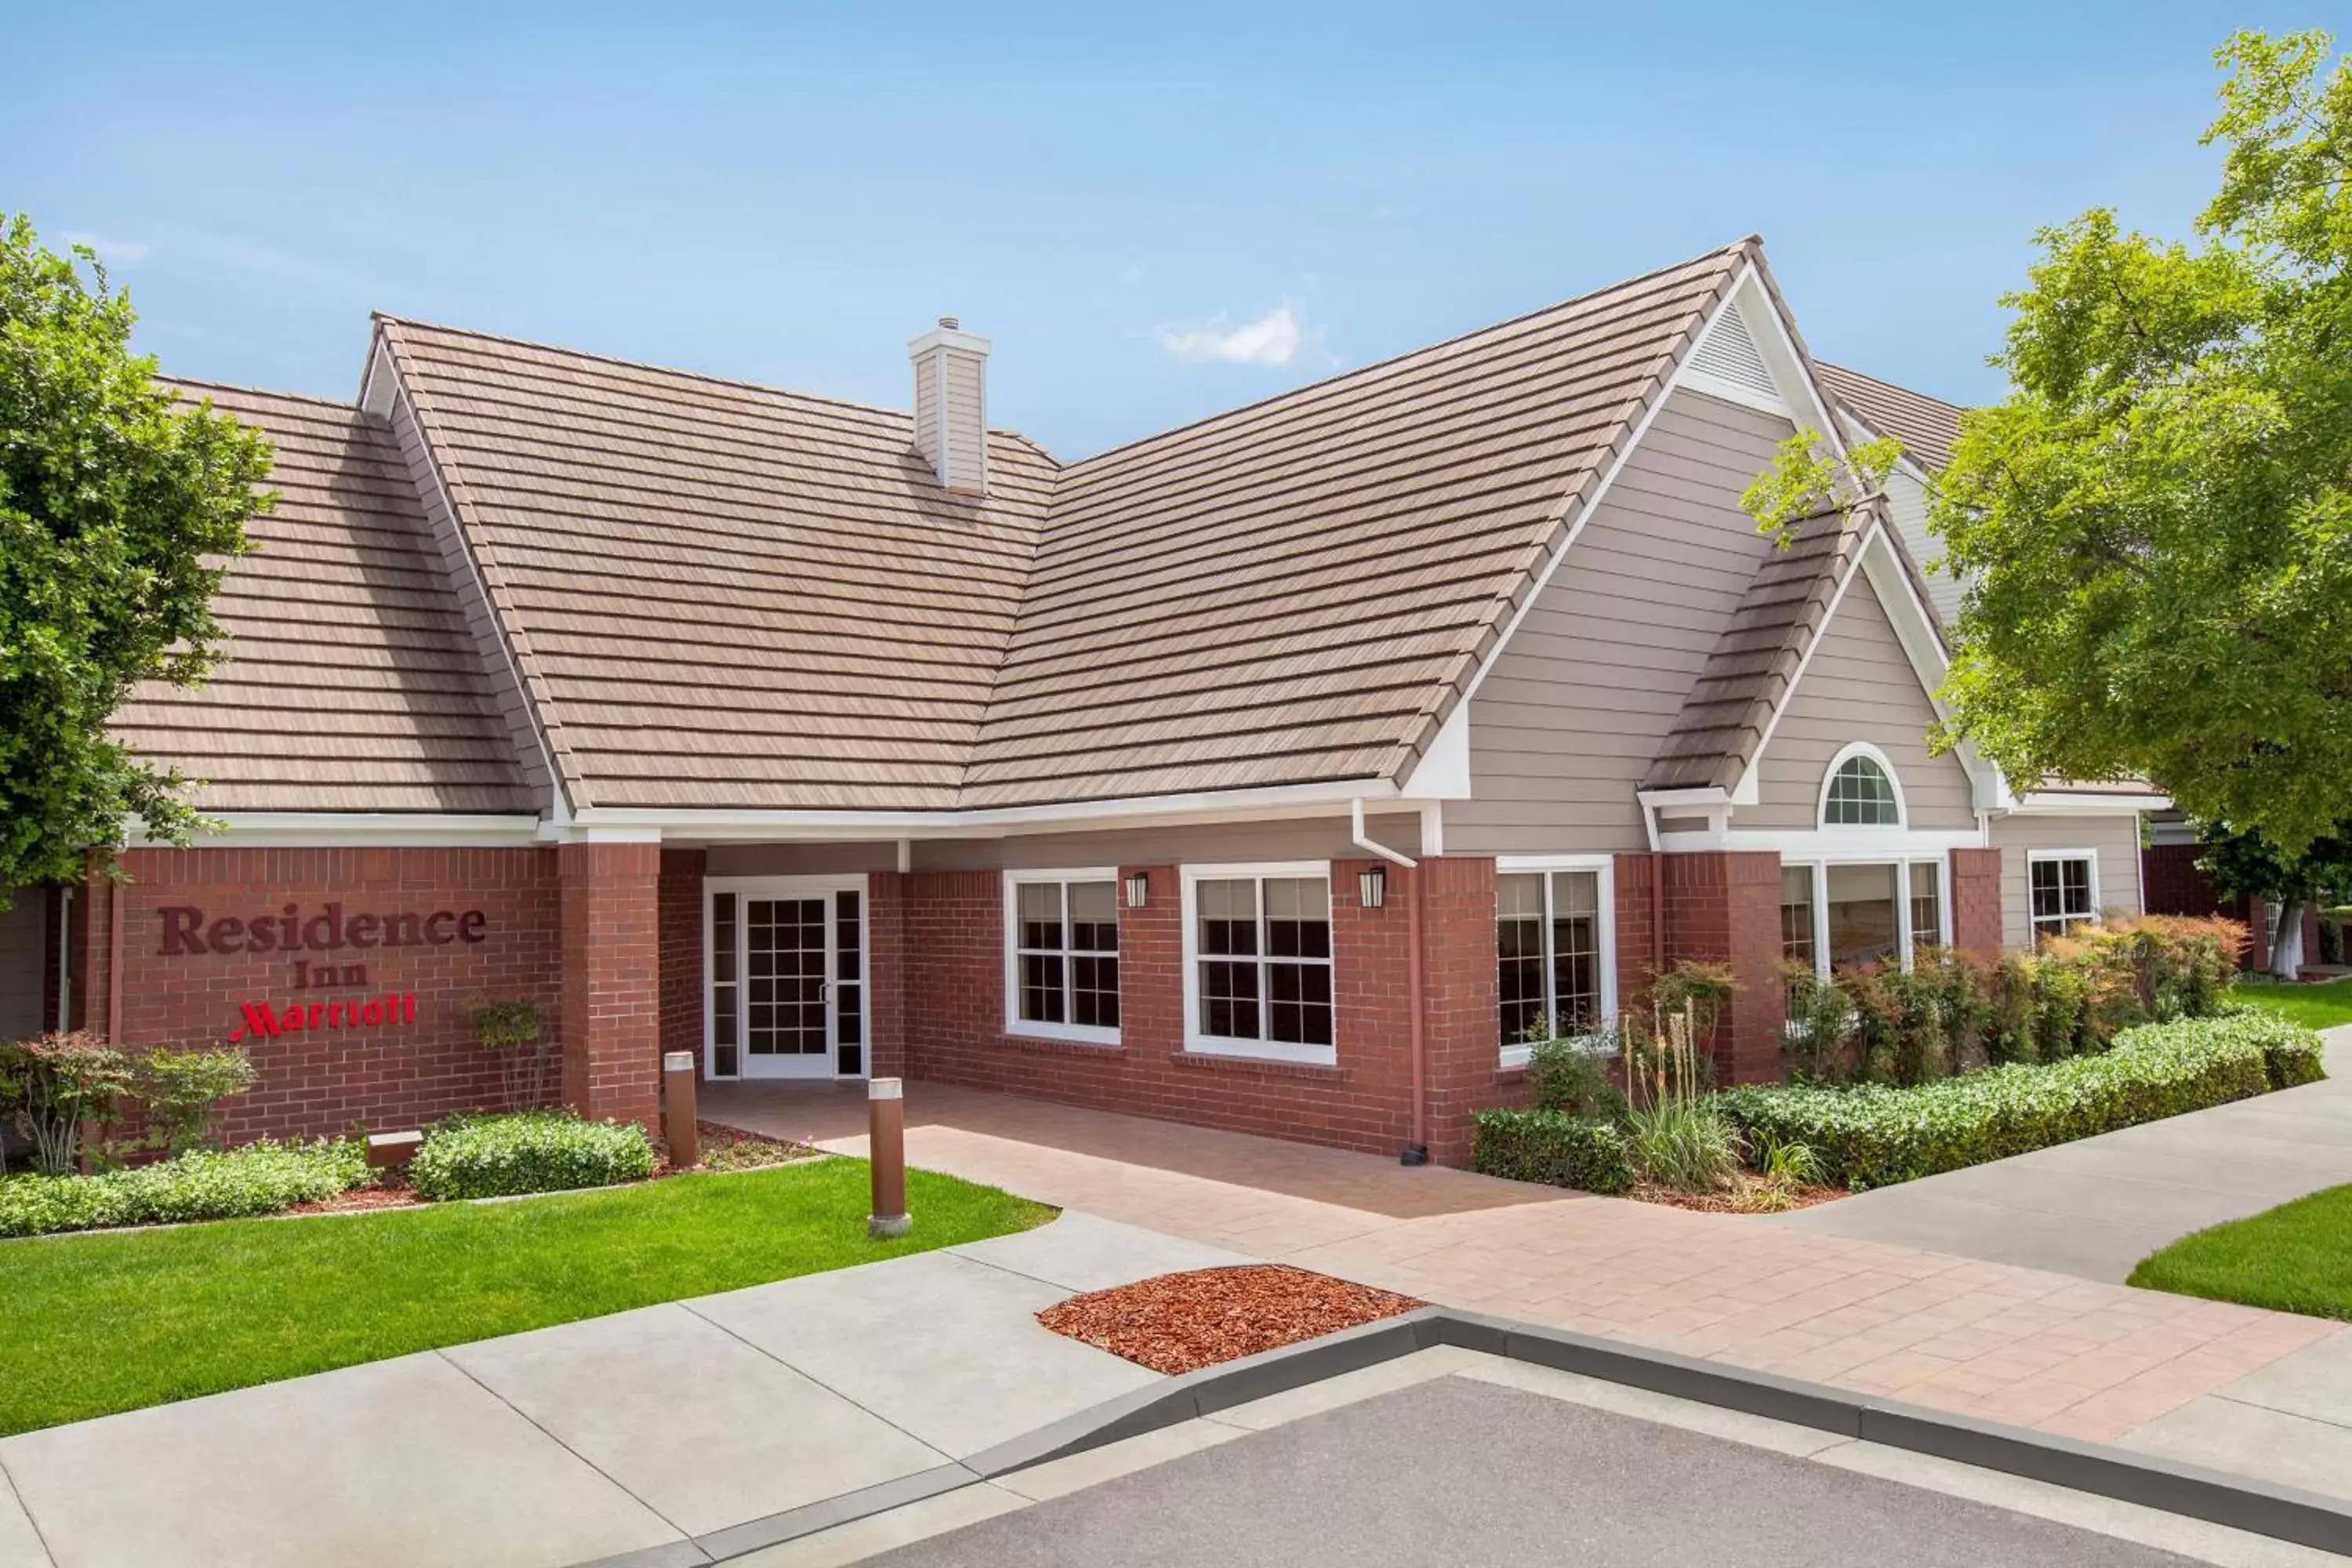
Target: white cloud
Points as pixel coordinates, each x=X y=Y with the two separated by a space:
x=113 y=252
x=1272 y=340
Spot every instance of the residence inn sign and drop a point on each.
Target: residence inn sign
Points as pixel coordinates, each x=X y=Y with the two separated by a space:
x=324 y=936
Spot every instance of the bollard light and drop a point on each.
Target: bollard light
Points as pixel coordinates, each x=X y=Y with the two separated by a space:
x=677 y=1110
x=886 y=1156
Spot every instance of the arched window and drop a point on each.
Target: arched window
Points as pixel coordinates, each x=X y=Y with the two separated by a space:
x=1860 y=793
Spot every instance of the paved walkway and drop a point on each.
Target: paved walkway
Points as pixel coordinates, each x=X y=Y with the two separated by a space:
x=2026 y=1346
x=2096 y=1207
x=627 y=1436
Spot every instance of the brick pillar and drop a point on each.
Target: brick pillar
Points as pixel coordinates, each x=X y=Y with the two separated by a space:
x=1976 y=902
x=611 y=1015
x=682 y=951
x=1461 y=1024
x=1151 y=965
x=1637 y=925
x=886 y=970
x=92 y=937
x=1723 y=906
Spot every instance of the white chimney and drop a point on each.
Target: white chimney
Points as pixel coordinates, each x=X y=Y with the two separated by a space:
x=952 y=404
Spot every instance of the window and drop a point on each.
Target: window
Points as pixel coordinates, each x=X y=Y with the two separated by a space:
x=1861 y=794
x=1260 y=964
x=1549 y=966
x=1061 y=955
x=1927 y=904
x=1861 y=906
x=1797 y=913
x=2065 y=889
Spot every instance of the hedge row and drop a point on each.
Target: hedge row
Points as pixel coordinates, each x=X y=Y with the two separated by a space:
x=1552 y=1147
x=1873 y=1136
x=530 y=1151
x=258 y=1179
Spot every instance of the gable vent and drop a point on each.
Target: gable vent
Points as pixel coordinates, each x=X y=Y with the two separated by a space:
x=1728 y=354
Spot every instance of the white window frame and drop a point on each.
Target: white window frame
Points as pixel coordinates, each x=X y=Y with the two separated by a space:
x=1031 y=1028
x=1198 y=1044
x=2034 y=927
x=1902 y=863
x=1517 y=1054
x=1845 y=754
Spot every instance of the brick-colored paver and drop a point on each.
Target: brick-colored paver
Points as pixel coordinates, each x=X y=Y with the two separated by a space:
x=1997 y=1341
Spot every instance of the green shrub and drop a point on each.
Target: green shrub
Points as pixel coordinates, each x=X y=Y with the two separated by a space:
x=1820 y=1022
x=529 y=1151
x=1572 y=1073
x=1551 y=1147
x=258 y=1179
x=53 y=1084
x=179 y=1088
x=1873 y=1135
x=2291 y=1053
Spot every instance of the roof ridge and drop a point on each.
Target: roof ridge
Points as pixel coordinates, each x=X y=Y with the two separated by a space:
x=386 y=318
x=199 y=382
x=1394 y=358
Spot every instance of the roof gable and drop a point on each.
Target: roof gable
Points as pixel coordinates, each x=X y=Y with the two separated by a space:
x=349 y=680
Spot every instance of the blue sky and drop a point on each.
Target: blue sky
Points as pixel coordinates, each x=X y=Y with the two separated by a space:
x=1154 y=212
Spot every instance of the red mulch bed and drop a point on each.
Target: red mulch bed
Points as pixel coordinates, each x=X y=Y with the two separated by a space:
x=394 y=1193
x=1181 y=1322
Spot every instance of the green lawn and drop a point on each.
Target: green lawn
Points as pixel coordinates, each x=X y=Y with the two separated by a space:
x=2320 y=1006
x=95 y=1324
x=2296 y=1257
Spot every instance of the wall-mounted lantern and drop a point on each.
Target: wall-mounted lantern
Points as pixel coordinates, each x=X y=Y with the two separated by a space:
x=1138 y=889
x=1372 y=886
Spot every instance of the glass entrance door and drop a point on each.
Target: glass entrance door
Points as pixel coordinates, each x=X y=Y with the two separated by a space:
x=786 y=980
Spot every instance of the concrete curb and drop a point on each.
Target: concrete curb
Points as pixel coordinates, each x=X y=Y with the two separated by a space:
x=2239 y=1502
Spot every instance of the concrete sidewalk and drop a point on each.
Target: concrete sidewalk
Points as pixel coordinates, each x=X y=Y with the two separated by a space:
x=2096 y=1207
x=626 y=1438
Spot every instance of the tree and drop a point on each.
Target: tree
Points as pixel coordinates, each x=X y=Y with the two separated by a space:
x=118 y=508
x=2156 y=525
x=2247 y=865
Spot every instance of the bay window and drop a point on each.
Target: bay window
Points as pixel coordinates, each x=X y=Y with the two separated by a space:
x=1258 y=962
x=1062 y=954
x=1838 y=914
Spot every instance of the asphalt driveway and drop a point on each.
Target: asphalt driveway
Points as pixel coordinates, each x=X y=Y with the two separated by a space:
x=2096 y=1207
x=1462 y=1471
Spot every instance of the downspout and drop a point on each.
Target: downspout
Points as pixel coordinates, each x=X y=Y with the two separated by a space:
x=65 y=958
x=114 y=962
x=1416 y=1152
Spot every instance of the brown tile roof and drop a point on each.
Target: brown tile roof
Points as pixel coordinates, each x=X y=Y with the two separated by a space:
x=351 y=683
x=1298 y=590
x=724 y=595
x=1753 y=663
x=731 y=596
x=1925 y=425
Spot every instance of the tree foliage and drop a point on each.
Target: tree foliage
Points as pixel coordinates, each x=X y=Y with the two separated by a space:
x=1807 y=478
x=2156 y=524
x=118 y=509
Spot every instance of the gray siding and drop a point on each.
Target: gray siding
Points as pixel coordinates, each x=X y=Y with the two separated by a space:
x=1571 y=715
x=498 y=664
x=1907 y=503
x=1303 y=839
x=2115 y=840
x=1858 y=686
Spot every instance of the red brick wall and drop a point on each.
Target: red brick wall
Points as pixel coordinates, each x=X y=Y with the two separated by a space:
x=612 y=966
x=1976 y=902
x=1637 y=925
x=329 y=1080
x=952 y=956
x=680 y=895
x=1724 y=907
